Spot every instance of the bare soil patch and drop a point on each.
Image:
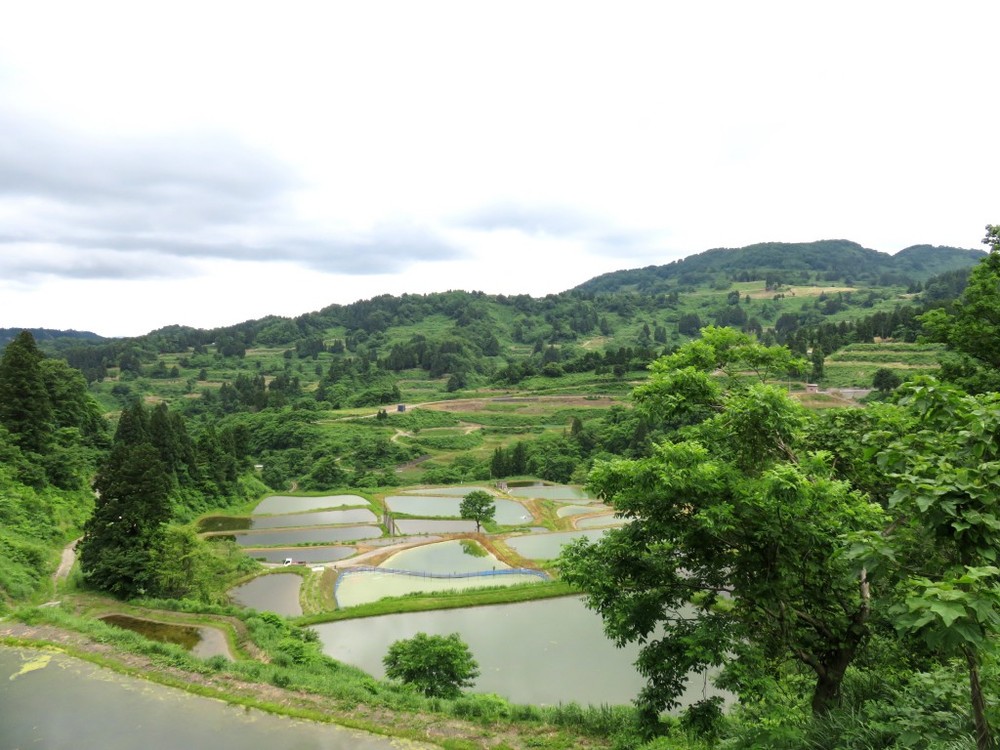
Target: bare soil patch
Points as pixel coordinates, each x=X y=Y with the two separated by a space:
x=529 y=404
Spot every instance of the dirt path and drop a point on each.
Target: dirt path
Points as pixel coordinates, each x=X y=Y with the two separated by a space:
x=66 y=562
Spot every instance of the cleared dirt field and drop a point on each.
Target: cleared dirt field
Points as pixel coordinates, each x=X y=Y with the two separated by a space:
x=799 y=291
x=523 y=404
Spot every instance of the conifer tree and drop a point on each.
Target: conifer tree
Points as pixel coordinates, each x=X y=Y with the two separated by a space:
x=25 y=409
x=133 y=506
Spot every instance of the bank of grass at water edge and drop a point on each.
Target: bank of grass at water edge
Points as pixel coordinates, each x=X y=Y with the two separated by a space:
x=425 y=602
x=313 y=686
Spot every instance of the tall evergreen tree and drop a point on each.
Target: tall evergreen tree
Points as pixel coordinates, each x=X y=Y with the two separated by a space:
x=133 y=506
x=25 y=409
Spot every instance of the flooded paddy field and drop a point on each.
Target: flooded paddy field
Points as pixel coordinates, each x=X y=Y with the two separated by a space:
x=543 y=652
x=508 y=512
x=291 y=504
x=275 y=593
x=201 y=641
x=301 y=554
x=315 y=535
x=548 y=546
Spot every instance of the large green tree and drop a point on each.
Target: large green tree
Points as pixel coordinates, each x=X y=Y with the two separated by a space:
x=972 y=329
x=947 y=474
x=25 y=409
x=479 y=506
x=132 y=509
x=732 y=548
x=437 y=665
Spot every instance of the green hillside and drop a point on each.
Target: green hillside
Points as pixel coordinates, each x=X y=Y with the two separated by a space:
x=826 y=261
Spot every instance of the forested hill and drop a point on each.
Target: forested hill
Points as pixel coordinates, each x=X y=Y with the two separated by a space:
x=834 y=260
x=47 y=334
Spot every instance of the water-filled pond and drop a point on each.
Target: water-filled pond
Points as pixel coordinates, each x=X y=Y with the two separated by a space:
x=200 y=641
x=290 y=504
x=508 y=512
x=542 y=652
x=455 y=556
x=573 y=510
x=275 y=593
x=600 y=521
x=356 y=587
x=422 y=526
x=551 y=492
x=448 y=491
x=548 y=546
x=223 y=523
x=327 y=534
x=319 y=518
x=301 y=554
x=52 y=701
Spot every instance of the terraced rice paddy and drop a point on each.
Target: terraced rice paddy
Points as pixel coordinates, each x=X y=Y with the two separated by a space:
x=425 y=526
x=317 y=535
x=548 y=546
x=442 y=566
x=598 y=522
x=289 y=504
x=321 y=518
x=301 y=554
x=551 y=492
x=508 y=512
x=275 y=593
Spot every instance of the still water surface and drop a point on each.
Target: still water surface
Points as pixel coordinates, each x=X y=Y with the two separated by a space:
x=319 y=518
x=301 y=554
x=508 y=512
x=550 y=492
x=307 y=536
x=542 y=652
x=54 y=702
x=277 y=593
x=548 y=546
x=290 y=504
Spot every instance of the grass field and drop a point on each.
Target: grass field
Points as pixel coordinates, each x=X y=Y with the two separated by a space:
x=855 y=365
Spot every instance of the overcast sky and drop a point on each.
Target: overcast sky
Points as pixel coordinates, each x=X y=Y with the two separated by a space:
x=205 y=163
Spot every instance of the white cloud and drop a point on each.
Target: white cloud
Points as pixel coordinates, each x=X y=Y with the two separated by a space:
x=389 y=146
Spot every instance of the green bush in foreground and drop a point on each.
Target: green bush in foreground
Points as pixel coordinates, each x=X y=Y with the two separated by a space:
x=439 y=666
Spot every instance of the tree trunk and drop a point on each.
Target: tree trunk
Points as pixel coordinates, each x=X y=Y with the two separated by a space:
x=984 y=738
x=826 y=694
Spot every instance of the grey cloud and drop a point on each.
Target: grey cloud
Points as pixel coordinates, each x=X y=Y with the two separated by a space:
x=40 y=162
x=90 y=207
x=28 y=265
x=383 y=250
x=556 y=221
x=552 y=220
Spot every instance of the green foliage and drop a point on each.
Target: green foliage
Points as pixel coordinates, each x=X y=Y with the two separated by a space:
x=740 y=509
x=133 y=505
x=885 y=380
x=948 y=474
x=25 y=409
x=438 y=666
x=479 y=506
x=972 y=330
x=186 y=566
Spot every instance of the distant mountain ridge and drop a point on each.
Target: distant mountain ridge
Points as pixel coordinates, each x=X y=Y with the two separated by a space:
x=833 y=262
x=836 y=260
x=47 y=334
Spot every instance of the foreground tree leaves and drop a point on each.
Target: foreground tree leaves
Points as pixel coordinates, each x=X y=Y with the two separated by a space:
x=735 y=534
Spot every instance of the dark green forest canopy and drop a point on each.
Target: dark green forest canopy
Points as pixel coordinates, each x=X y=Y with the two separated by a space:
x=834 y=260
x=591 y=307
